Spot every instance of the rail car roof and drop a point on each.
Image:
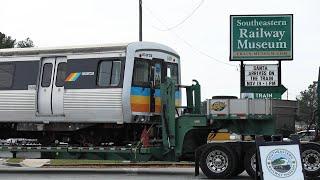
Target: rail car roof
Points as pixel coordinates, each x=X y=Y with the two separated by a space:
x=62 y=50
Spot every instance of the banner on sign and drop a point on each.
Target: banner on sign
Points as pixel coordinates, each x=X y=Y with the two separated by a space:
x=261 y=75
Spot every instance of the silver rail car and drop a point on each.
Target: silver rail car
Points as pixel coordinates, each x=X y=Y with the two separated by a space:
x=69 y=88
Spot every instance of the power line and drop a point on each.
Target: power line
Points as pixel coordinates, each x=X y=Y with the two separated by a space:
x=183 y=20
x=184 y=41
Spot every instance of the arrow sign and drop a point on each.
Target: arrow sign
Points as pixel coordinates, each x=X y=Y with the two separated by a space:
x=278 y=89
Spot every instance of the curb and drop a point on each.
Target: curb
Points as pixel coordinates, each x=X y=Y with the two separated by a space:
x=13 y=164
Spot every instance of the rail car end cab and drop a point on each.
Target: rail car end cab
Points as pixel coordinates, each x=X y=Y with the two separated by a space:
x=151 y=65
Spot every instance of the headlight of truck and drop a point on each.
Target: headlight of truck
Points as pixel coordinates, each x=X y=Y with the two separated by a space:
x=235 y=137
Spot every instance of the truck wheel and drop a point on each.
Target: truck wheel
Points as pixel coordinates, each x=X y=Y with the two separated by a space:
x=250 y=162
x=218 y=161
x=311 y=159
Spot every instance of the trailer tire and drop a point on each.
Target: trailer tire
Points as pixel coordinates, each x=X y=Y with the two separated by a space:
x=218 y=161
x=310 y=155
x=249 y=162
x=240 y=167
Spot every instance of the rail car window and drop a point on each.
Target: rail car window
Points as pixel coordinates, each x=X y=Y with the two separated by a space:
x=116 y=71
x=141 y=73
x=61 y=74
x=172 y=72
x=6 y=75
x=46 y=75
x=109 y=73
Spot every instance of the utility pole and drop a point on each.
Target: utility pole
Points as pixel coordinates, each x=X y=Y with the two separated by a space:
x=140 y=20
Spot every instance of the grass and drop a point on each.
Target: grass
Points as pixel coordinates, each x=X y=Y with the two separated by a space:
x=15 y=160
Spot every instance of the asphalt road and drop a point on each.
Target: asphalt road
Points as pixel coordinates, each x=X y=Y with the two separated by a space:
x=17 y=173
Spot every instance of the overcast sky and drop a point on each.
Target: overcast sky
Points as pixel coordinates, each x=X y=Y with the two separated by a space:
x=202 y=40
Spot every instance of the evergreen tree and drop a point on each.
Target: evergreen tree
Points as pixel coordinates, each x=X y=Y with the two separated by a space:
x=6 y=41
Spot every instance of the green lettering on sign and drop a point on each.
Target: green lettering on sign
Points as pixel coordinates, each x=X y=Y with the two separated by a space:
x=267 y=96
x=261 y=37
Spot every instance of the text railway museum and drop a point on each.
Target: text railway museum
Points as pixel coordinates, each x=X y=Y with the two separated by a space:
x=261 y=45
x=261 y=33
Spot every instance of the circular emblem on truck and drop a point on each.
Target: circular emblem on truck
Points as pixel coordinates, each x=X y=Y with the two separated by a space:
x=281 y=163
x=218 y=106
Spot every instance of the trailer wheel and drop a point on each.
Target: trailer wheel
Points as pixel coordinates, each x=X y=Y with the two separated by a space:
x=218 y=161
x=311 y=159
x=250 y=162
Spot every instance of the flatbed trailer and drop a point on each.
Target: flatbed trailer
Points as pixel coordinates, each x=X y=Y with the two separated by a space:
x=221 y=147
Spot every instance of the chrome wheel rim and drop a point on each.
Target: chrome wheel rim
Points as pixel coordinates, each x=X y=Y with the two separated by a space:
x=217 y=161
x=311 y=160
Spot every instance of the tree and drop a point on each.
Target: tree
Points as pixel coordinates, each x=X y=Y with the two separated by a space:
x=25 y=43
x=307 y=103
x=6 y=41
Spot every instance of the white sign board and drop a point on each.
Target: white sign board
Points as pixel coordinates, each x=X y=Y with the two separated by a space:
x=281 y=162
x=261 y=75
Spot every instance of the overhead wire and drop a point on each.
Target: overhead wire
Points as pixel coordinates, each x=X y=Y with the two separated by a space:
x=183 y=20
x=183 y=40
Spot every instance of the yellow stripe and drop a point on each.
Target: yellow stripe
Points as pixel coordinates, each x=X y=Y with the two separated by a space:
x=73 y=76
x=69 y=77
x=145 y=100
x=178 y=102
x=140 y=100
x=158 y=101
x=219 y=136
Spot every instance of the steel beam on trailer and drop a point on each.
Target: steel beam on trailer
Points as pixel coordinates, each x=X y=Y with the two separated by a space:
x=78 y=149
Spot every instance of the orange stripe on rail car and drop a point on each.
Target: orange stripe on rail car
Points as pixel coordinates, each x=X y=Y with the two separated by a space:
x=140 y=107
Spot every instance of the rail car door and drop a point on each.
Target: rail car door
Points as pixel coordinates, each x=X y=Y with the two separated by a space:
x=155 y=78
x=51 y=86
x=58 y=85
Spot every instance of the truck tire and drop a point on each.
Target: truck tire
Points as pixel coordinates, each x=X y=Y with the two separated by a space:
x=218 y=161
x=250 y=162
x=240 y=167
x=310 y=155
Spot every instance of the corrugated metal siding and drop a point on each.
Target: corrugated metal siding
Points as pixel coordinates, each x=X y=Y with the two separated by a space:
x=93 y=99
x=62 y=50
x=18 y=100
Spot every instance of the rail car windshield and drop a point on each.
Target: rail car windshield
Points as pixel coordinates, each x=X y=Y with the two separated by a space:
x=147 y=70
x=141 y=72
